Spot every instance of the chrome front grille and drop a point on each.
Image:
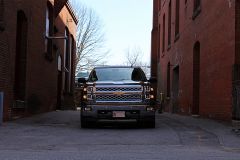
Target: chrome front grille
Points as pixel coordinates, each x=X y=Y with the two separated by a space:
x=120 y=93
x=119 y=98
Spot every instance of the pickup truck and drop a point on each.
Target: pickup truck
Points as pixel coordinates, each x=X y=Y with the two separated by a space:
x=117 y=94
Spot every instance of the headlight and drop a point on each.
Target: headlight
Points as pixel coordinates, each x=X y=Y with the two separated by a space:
x=87 y=108
x=151 y=96
x=150 y=109
x=85 y=97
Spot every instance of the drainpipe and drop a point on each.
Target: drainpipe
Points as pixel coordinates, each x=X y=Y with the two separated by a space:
x=1 y=108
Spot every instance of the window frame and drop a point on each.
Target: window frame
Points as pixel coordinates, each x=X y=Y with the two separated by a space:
x=169 y=24
x=49 y=32
x=177 y=20
x=196 y=8
x=163 y=34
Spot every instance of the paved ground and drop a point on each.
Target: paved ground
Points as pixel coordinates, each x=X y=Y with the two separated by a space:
x=58 y=136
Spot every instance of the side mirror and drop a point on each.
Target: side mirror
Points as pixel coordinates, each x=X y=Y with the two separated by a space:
x=82 y=80
x=152 y=80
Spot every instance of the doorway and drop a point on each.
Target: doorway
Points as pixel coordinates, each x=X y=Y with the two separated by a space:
x=21 y=57
x=196 y=78
x=175 y=93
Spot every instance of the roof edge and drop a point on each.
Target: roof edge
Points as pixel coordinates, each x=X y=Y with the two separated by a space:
x=71 y=11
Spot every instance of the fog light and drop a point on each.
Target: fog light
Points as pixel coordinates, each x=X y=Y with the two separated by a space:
x=84 y=96
x=151 y=96
x=84 y=89
x=88 y=109
x=150 y=109
x=151 y=89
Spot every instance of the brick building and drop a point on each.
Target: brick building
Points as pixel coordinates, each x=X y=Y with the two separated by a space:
x=196 y=56
x=37 y=52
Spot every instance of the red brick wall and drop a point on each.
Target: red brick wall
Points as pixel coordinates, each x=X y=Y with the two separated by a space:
x=64 y=20
x=42 y=74
x=154 y=44
x=154 y=41
x=4 y=65
x=214 y=28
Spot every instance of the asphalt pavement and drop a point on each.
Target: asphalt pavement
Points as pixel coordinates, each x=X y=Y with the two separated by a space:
x=58 y=136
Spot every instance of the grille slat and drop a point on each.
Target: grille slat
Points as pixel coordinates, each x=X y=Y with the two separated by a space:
x=117 y=98
x=125 y=89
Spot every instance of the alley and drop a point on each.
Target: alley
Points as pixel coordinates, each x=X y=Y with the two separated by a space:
x=57 y=135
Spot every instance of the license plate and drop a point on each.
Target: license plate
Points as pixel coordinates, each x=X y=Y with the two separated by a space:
x=118 y=114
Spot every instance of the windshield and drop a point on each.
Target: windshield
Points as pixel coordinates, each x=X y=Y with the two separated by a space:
x=82 y=74
x=117 y=74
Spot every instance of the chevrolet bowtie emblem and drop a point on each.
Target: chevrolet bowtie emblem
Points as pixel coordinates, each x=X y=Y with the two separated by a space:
x=119 y=93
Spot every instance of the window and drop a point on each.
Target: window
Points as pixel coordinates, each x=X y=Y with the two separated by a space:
x=168 y=79
x=159 y=5
x=196 y=8
x=1 y=10
x=67 y=61
x=159 y=33
x=196 y=4
x=169 y=23
x=47 y=22
x=71 y=66
x=163 y=36
x=49 y=31
x=177 y=20
x=1 y=15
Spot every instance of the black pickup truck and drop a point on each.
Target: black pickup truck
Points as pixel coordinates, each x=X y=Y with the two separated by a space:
x=117 y=93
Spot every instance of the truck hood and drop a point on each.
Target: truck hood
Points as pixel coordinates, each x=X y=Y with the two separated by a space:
x=125 y=82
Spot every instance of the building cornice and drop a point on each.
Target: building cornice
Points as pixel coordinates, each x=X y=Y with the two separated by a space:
x=71 y=11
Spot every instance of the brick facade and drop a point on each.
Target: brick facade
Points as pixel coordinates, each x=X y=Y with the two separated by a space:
x=197 y=64
x=37 y=66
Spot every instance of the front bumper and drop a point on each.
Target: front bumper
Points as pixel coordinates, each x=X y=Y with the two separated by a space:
x=100 y=113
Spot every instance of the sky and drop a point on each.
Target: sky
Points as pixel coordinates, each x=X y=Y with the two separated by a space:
x=127 y=24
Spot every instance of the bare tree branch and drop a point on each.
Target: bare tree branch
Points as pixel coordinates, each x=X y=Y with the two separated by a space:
x=134 y=58
x=90 y=37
